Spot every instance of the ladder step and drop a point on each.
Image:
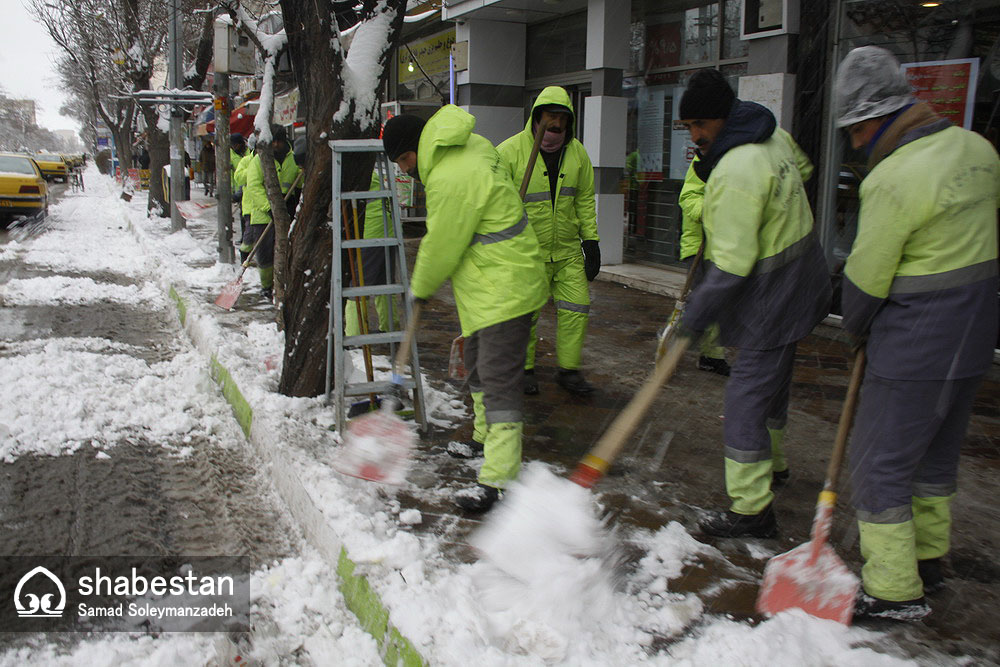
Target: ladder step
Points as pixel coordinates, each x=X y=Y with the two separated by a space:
x=362 y=388
x=374 y=290
x=388 y=242
x=367 y=194
x=373 y=339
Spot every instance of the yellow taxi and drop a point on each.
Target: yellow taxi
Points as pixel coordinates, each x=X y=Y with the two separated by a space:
x=52 y=166
x=23 y=190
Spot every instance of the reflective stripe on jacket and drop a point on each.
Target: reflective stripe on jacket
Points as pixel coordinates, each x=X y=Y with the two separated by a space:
x=477 y=232
x=921 y=279
x=573 y=217
x=255 y=200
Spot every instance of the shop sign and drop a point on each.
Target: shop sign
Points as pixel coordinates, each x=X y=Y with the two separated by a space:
x=650 y=133
x=948 y=86
x=431 y=54
x=663 y=45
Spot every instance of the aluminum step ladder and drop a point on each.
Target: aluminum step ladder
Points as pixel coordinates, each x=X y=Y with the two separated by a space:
x=338 y=390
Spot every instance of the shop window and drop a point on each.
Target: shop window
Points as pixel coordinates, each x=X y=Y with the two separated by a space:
x=668 y=42
x=558 y=46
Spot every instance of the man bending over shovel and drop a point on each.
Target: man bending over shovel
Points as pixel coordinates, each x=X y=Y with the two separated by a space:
x=478 y=236
x=765 y=283
x=920 y=285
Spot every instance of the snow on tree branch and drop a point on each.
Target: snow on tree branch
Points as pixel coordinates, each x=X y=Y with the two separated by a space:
x=363 y=67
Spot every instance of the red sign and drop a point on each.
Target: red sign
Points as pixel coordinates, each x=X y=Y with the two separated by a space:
x=663 y=45
x=948 y=86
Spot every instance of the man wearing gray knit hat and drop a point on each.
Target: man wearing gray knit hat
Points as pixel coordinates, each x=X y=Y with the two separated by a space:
x=765 y=283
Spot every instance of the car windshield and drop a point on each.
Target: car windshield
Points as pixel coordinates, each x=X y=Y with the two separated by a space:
x=16 y=165
x=49 y=158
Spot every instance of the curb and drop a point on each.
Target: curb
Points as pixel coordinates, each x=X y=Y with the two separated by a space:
x=359 y=596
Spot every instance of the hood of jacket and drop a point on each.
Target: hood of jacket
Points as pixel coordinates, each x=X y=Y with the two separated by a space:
x=552 y=95
x=450 y=126
x=747 y=123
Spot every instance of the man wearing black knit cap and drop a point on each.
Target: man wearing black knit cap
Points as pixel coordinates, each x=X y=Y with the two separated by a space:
x=766 y=283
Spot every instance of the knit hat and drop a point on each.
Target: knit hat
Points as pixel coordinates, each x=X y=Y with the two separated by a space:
x=401 y=134
x=708 y=95
x=237 y=139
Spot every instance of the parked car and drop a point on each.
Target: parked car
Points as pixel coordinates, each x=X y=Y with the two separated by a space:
x=73 y=161
x=23 y=190
x=52 y=166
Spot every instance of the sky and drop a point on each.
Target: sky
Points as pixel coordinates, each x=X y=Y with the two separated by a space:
x=27 y=66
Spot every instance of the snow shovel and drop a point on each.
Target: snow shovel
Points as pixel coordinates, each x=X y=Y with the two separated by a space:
x=675 y=317
x=811 y=576
x=378 y=446
x=231 y=292
x=595 y=464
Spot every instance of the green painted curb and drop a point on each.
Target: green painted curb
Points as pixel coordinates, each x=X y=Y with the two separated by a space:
x=364 y=602
x=181 y=306
x=242 y=409
x=358 y=594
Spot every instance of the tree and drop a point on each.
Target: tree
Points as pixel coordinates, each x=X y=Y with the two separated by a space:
x=340 y=86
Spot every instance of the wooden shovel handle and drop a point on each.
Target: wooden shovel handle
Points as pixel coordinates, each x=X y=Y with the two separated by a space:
x=593 y=466
x=539 y=133
x=845 y=423
x=403 y=354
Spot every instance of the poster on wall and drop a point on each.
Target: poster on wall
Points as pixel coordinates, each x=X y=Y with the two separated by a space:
x=650 y=135
x=948 y=86
x=681 y=147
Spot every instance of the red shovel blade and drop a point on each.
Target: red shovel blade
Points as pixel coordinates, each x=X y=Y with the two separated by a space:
x=378 y=447
x=820 y=586
x=230 y=294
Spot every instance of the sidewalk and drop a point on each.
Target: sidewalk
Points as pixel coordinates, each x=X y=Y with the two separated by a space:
x=400 y=553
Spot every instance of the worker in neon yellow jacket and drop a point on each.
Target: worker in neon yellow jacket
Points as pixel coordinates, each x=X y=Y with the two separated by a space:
x=920 y=291
x=478 y=236
x=373 y=267
x=766 y=283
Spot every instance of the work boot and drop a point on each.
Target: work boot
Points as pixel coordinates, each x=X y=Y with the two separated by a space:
x=731 y=524
x=243 y=257
x=866 y=606
x=573 y=382
x=266 y=293
x=469 y=449
x=932 y=574
x=779 y=477
x=530 y=382
x=711 y=365
x=479 y=498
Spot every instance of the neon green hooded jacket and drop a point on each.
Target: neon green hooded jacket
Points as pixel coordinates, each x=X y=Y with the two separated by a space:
x=573 y=218
x=477 y=231
x=255 y=196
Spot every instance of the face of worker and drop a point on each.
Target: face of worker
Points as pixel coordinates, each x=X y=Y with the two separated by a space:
x=704 y=131
x=407 y=163
x=280 y=149
x=862 y=133
x=555 y=134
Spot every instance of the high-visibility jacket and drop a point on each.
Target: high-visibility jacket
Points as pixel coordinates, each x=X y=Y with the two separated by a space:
x=477 y=232
x=766 y=280
x=693 y=194
x=560 y=225
x=234 y=162
x=921 y=279
x=255 y=200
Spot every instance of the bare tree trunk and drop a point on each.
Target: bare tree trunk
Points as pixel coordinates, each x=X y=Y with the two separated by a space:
x=318 y=66
x=158 y=144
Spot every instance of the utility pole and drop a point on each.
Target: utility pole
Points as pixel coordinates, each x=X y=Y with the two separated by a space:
x=175 y=71
x=223 y=183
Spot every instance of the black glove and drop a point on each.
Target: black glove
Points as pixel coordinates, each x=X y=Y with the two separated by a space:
x=591 y=259
x=238 y=196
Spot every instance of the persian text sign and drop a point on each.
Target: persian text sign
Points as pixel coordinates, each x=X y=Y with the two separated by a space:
x=948 y=86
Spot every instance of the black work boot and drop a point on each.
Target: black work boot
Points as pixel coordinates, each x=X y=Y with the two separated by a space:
x=932 y=574
x=479 y=498
x=867 y=606
x=243 y=257
x=731 y=524
x=267 y=293
x=779 y=477
x=469 y=449
x=719 y=366
x=530 y=382
x=573 y=382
